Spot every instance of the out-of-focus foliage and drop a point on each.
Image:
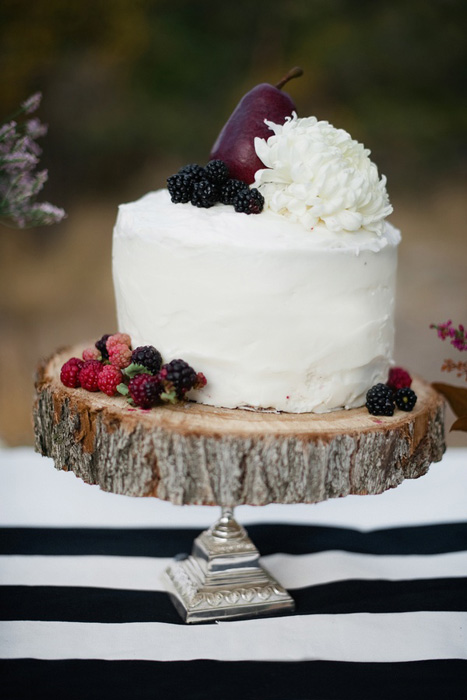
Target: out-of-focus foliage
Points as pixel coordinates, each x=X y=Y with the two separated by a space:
x=130 y=84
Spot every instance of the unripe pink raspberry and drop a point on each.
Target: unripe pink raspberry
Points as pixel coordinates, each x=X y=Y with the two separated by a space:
x=108 y=380
x=91 y=354
x=89 y=375
x=117 y=339
x=69 y=374
x=120 y=355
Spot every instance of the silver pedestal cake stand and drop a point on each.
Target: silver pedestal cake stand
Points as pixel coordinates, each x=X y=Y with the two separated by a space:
x=223 y=578
x=202 y=455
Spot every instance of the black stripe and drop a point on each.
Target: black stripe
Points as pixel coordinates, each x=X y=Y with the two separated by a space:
x=23 y=679
x=341 y=597
x=269 y=538
x=358 y=595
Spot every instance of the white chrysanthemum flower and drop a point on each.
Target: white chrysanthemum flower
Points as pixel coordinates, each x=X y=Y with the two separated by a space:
x=316 y=174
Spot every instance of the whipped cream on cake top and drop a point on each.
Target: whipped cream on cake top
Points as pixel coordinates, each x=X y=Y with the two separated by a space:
x=220 y=224
x=317 y=174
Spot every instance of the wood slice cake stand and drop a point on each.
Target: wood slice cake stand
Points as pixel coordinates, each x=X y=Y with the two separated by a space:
x=197 y=454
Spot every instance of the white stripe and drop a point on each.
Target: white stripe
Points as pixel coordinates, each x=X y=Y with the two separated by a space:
x=292 y=571
x=33 y=493
x=131 y=573
x=324 y=567
x=356 y=638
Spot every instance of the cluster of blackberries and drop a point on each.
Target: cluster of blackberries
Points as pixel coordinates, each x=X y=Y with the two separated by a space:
x=381 y=400
x=168 y=383
x=204 y=187
x=111 y=366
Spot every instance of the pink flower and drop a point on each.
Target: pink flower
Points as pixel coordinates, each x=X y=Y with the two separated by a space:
x=457 y=335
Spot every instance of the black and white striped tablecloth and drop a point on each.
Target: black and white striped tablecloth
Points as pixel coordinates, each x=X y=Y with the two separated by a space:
x=380 y=585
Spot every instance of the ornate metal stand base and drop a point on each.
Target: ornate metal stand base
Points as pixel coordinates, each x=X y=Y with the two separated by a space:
x=223 y=579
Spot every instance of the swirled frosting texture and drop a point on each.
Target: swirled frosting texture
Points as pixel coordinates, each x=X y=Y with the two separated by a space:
x=317 y=174
x=273 y=316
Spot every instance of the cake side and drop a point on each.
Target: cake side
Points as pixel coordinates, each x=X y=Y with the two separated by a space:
x=276 y=317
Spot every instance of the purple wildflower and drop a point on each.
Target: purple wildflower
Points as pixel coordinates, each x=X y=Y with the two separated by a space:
x=44 y=214
x=19 y=185
x=7 y=132
x=32 y=103
x=19 y=159
x=35 y=129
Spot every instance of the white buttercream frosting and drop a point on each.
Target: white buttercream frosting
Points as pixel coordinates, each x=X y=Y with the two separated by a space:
x=317 y=174
x=273 y=316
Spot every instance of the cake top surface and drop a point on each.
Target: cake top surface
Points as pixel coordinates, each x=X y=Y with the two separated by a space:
x=154 y=216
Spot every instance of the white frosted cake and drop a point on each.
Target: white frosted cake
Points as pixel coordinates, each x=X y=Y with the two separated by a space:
x=291 y=309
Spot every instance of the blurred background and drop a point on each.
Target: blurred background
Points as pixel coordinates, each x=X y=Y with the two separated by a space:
x=134 y=89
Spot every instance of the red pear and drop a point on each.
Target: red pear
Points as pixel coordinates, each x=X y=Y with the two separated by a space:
x=235 y=143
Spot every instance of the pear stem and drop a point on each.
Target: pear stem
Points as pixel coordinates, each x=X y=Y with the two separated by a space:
x=295 y=72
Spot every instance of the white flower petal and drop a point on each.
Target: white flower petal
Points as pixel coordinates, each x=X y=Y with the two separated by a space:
x=315 y=173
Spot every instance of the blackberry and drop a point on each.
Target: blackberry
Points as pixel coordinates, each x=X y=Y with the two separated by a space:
x=180 y=188
x=249 y=201
x=149 y=357
x=194 y=171
x=217 y=171
x=380 y=400
x=205 y=194
x=231 y=189
x=178 y=377
x=101 y=346
x=405 y=399
x=145 y=390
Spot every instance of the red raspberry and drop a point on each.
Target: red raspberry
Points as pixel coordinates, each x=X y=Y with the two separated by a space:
x=91 y=354
x=120 y=355
x=108 y=380
x=89 y=374
x=116 y=339
x=69 y=374
x=398 y=379
x=145 y=390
